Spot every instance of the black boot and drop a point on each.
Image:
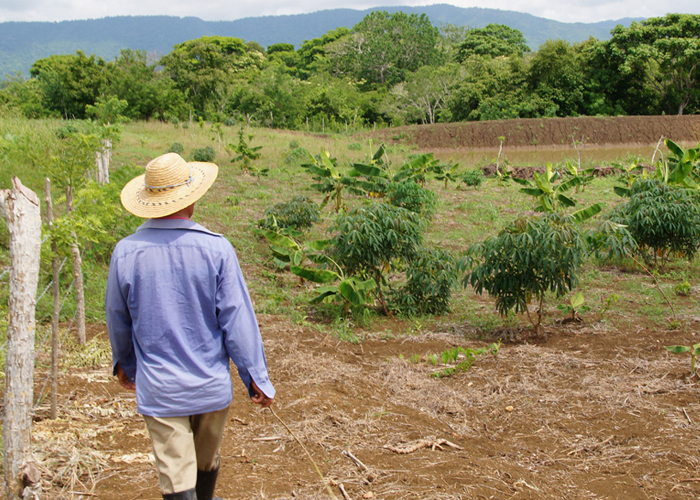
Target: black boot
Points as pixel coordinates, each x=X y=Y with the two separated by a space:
x=183 y=495
x=206 y=482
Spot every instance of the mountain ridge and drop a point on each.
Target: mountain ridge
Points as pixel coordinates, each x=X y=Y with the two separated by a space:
x=22 y=42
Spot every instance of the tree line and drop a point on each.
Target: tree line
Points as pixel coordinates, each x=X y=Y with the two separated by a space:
x=389 y=69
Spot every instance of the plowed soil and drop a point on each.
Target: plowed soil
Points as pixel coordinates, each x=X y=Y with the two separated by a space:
x=548 y=132
x=592 y=410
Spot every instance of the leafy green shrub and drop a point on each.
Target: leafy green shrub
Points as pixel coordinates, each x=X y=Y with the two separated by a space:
x=296 y=156
x=430 y=279
x=473 y=178
x=231 y=121
x=355 y=146
x=664 y=219
x=411 y=196
x=204 y=154
x=370 y=238
x=294 y=144
x=298 y=213
x=530 y=257
x=176 y=147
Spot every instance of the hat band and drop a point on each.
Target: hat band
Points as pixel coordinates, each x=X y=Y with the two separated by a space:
x=160 y=188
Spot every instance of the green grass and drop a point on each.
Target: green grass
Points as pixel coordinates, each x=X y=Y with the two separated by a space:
x=237 y=201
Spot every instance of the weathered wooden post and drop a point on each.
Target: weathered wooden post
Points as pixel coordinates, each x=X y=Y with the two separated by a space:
x=77 y=274
x=20 y=208
x=56 y=289
x=103 y=156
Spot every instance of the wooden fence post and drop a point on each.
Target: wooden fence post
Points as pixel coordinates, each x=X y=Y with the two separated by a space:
x=77 y=275
x=20 y=208
x=56 y=289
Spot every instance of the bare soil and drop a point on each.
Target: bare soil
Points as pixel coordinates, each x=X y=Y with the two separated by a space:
x=592 y=410
x=595 y=410
x=547 y=132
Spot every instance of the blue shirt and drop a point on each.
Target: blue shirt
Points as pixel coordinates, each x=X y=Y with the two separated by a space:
x=177 y=310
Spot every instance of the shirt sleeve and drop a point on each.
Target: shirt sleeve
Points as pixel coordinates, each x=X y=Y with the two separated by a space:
x=119 y=324
x=241 y=333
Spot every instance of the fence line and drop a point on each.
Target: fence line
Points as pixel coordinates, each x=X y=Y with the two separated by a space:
x=38 y=349
x=51 y=282
x=42 y=391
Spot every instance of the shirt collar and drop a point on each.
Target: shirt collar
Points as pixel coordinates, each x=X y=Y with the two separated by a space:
x=175 y=224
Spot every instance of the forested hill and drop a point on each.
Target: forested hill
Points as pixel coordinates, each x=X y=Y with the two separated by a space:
x=22 y=43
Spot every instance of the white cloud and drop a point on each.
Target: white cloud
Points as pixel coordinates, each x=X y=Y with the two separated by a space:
x=563 y=10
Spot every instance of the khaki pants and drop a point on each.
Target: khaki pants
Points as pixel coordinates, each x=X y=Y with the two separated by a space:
x=182 y=445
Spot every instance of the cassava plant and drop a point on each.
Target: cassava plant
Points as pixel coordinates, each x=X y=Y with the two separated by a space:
x=530 y=257
x=663 y=219
x=369 y=239
x=430 y=279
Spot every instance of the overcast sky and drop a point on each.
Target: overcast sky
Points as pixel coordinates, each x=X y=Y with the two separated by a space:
x=227 y=10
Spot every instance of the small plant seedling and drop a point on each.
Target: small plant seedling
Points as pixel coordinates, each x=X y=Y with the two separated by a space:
x=694 y=351
x=574 y=307
x=611 y=301
x=683 y=289
x=453 y=356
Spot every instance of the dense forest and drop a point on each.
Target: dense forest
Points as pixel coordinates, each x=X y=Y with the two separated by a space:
x=390 y=69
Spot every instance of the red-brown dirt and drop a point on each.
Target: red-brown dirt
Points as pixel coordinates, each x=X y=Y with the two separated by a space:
x=547 y=132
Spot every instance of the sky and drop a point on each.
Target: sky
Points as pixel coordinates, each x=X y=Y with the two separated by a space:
x=228 y=10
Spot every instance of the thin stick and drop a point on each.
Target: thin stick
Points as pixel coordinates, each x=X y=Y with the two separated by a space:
x=345 y=493
x=323 y=478
x=686 y=416
x=656 y=150
x=357 y=461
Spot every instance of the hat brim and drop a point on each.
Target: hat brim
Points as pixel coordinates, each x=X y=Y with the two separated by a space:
x=147 y=203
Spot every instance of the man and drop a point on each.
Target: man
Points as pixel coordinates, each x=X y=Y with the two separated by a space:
x=177 y=311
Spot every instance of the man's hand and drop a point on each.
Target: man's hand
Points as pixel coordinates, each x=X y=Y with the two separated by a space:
x=124 y=380
x=260 y=398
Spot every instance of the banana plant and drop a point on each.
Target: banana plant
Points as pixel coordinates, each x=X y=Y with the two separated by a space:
x=417 y=168
x=680 y=168
x=446 y=172
x=330 y=180
x=630 y=174
x=680 y=165
x=352 y=290
x=550 y=195
x=585 y=174
x=374 y=176
x=694 y=351
x=287 y=251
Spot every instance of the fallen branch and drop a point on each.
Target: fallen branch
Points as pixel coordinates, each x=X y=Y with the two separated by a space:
x=359 y=464
x=422 y=443
x=345 y=493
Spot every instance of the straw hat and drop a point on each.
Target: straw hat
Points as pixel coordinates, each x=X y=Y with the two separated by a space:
x=169 y=185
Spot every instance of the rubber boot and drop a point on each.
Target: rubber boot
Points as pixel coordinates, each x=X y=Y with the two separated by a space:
x=206 y=482
x=183 y=495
